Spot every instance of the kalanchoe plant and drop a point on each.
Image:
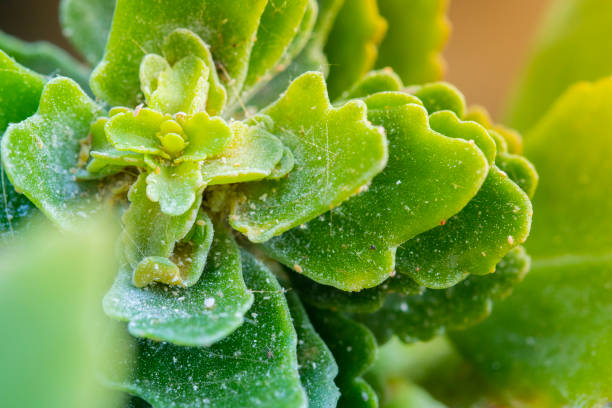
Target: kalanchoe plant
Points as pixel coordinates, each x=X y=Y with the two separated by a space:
x=266 y=229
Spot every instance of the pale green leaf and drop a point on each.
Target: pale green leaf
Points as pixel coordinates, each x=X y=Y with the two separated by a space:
x=197 y=316
x=52 y=137
x=136 y=131
x=228 y=27
x=206 y=137
x=252 y=154
x=175 y=188
x=374 y=82
x=417 y=32
x=256 y=366
x=336 y=151
x=438 y=96
x=86 y=23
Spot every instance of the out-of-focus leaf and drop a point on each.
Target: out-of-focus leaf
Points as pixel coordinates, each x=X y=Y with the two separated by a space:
x=196 y=316
x=52 y=324
x=86 y=23
x=278 y=25
x=256 y=366
x=317 y=366
x=571 y=148
x=472 y=242
x=44 y=58
x=354 y=348
x=228 y=27
x=352 y=44
x=550 y=342
x=572 y=46
x=428 y=179
x=20 y=91
x=417 y=32
x=51 y=137
x=423 y=316
x=336 y=152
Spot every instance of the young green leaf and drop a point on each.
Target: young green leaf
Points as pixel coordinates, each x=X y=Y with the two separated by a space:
x=228 y=28
x=438 y=96
x=196 y=316
x=374 y=82
x=255 y=366
x=317 y=367
x=252 y=154
x=149 y=232
x=417 y=32
x=52 y=137
x=428 y=179
x=86 y=23
x=352 y=45
x=472 y=242
x=336 y=151
x=175 y=188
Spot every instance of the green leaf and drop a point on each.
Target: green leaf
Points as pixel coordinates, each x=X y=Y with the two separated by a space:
x=86 y=23
x=472 y=242
x=428 y=179
x=175 y=188
x=373 y=82
x=336 y=151
x=52 y=137
x=571 y=148
x=180 y=88
x=148 y=232
x=136 y=131
x=352 y=45
x=422 y=316
x=44 y=58
x=317 y=367
x=20 y=91
x=255 y=366
x=550 y=341
x=520 y=170
x=206 y=136
x=571 y=46
x=354 y=348
x=252 y=154
x=196 y=316
x=438 y=96
x=417 y=32
x=182 y=43
x=278 y=26
x=228 y=27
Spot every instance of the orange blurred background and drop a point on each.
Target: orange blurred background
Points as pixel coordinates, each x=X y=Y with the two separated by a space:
x=488 y=45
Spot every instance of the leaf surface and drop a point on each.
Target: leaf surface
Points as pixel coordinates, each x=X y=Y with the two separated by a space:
x=317 y=366
x=196 y=316
x=336 y=151
x=228 y=27
x=255 y=366
x=428 y=179
x=52 y=137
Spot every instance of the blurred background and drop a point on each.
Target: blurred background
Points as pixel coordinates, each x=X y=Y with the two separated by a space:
x=476 y=63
